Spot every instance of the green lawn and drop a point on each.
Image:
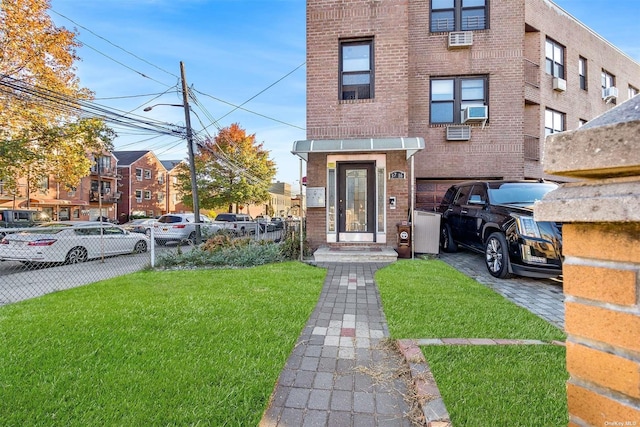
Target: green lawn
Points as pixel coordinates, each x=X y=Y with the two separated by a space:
x=181 y=348
x=480 y=385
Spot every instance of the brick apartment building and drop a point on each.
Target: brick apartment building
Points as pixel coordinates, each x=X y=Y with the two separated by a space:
x=143 y=185
x=405 y=97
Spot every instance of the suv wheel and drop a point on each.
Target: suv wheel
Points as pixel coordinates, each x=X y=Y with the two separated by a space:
x=497 y=256
x=446 y=241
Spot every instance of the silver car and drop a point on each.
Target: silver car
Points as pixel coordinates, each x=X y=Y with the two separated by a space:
x=70 y=242
x=181 y=228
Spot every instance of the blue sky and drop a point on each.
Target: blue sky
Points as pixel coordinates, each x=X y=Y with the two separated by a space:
x=233 y=50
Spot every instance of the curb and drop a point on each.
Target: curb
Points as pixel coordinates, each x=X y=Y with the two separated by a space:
x=426 y=390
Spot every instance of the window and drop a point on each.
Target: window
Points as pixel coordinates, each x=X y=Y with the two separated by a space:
x=632 y=91
x=161 y=197
x=553 y=122
x=356 y=70
x=147 y=174
x=139 y=174
x=147 y=195
x=138 y=196
x=160 y=178
x=458 y=15
x=555 y=59
x=449 y=97
x=581 y=122
x=582 y=72
x=43 y=186
x=608 y=80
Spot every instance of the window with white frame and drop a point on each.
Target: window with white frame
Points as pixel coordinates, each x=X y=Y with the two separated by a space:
x=632 y=91
x=356 y=69
x=138 y=195
x=553 y=122
x=458 y=15
x=161 y=197
x=139 y=174
x=554 y=63
x=147 y=195
x=608 y=80
x=451 y=96
x=147 y=174
x=582 y=72
x=160 y=178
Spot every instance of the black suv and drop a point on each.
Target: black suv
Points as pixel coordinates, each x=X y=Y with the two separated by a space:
x=496 y=218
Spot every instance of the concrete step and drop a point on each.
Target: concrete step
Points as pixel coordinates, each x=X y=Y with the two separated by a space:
x=355 y=254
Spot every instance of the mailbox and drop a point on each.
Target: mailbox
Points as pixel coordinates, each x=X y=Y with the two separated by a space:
x=404 y=240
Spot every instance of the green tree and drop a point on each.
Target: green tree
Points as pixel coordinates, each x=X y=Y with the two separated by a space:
x=232 y=169
x=41 y=131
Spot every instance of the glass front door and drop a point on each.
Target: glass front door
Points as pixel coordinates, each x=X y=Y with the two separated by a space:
x=356 y=202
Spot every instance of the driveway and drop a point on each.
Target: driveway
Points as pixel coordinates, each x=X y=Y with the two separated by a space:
x=543 y=297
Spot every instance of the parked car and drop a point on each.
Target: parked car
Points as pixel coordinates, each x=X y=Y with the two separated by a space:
x=141 y=225
x=70 y=242
x=265 y=224
x=239 y=224
x=181 y=228
x=496 y=218
x=278 y=222
x=10 y=219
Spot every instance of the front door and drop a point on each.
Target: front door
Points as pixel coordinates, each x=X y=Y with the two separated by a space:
x=356 y=202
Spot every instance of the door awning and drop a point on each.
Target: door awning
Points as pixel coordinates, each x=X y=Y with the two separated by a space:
x=411 y=145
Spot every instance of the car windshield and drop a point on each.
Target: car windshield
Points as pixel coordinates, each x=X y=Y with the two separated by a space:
x=520 y=193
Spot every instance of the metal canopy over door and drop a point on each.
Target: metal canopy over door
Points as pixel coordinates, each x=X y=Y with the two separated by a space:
x=356 y=202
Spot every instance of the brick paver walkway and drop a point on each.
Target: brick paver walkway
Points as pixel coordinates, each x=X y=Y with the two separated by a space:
x=343 y=371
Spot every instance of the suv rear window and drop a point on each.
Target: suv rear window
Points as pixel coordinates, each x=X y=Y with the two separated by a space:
x=170 y=219
x=226 y=217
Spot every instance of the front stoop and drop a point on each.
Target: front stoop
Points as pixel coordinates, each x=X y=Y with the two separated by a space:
x=355 y=254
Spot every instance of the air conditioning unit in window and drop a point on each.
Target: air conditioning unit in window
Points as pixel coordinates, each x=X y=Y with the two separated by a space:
x=559 y=84
x=610 y=93
x=460 y=39
x=475 y=114
x=458 y=133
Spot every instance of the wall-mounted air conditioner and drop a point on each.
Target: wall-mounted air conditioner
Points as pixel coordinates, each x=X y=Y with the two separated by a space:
x=460 y=39
x=559 y=84
x=475 y=114
x=610 y=93
x=458 y=133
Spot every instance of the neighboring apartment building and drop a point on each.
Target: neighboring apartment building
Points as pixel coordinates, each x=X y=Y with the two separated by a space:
x=405 y=97
x=173 y=200
x=95 y=196
x=142 y=183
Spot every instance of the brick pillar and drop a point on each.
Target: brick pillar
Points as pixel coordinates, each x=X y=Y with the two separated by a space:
x=601 y=246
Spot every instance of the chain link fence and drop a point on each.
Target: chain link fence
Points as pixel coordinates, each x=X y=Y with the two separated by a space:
x=41 y=260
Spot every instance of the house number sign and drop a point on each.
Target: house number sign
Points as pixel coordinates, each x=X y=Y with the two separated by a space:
x=397 y=175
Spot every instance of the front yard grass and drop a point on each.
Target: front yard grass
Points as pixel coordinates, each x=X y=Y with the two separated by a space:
x=481 y=385
x=201 y=347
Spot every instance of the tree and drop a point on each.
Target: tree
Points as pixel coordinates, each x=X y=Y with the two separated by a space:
x=232 y=169
x=41 y=131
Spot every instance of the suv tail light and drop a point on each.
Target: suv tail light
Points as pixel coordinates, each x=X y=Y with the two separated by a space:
x=42 y=242
x=179 y=226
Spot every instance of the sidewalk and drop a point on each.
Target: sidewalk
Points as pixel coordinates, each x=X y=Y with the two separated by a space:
x=343 y=371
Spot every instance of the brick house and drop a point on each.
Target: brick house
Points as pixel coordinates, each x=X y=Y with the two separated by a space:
x=142 y=184
x=173 y=200
x=405 y=97
x=95 y=195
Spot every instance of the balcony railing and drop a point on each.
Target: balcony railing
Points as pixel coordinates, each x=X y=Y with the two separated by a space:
x=531 y=147
x=531 y=73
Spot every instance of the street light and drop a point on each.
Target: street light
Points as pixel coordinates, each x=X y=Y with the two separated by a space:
x=192 y=164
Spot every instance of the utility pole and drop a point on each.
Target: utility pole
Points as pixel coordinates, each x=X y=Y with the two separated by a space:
x=192 y=164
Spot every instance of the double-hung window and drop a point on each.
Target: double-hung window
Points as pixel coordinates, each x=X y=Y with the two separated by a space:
x=553 y=122
x=451 y=96
x=632 y=91
x=554 y=63
x=582 y=72
x=356 y=69
x=458 y=15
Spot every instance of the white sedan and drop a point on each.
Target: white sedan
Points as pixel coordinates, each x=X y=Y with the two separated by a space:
x=70 y=242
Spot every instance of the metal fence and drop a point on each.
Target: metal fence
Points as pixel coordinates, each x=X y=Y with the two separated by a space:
x=41 y=260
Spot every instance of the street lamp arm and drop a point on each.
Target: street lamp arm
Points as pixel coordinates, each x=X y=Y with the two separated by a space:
x=149 y=108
